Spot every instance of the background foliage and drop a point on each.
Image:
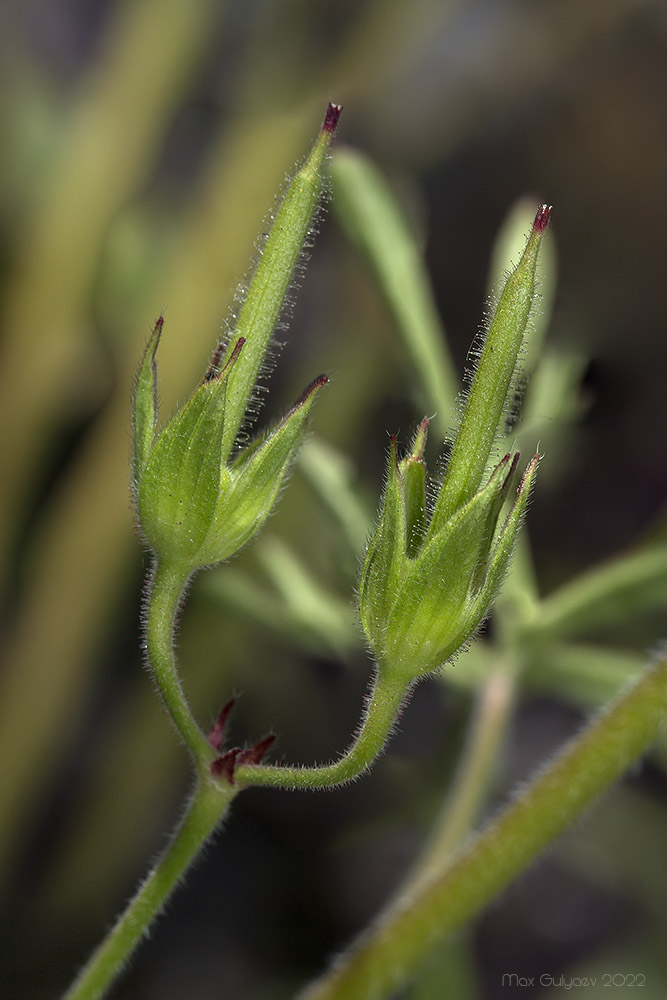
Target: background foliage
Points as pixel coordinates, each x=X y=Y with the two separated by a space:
x=144 y=141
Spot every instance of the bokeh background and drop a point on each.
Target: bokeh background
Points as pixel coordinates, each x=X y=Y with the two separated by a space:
x=143 y=144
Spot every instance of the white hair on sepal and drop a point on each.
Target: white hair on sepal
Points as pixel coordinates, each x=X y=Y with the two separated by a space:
x=512 y=405
x=434 y=481
x=469 y=368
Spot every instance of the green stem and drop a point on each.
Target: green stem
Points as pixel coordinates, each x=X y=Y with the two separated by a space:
x=167 y=584
x=382 y=707
x=205 y=812
x=462 y=806
x=392 y=951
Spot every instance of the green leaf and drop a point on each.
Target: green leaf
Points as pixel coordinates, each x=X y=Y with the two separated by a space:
x=583 y=674
x=332 y=476
x=616 y=590
x=375 y=222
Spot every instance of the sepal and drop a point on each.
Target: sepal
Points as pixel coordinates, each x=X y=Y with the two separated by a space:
x=385 y=555
x=428 y=622
x=413 y=473
x=255 y=479
x=144 y=403
x=505 y=543
x=421 y=596
x=183 y=475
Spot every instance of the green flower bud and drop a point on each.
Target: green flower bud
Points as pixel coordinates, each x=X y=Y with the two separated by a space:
x=422 y=597
x=432 y=572
x=194 y=508
x=196 y=504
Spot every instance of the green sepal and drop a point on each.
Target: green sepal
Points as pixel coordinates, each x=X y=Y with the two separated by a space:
x=425 y=625
x=491 y=384
x=414 y=492
x=505 y=542
x=385 y=555
x=180 y=485
x=413 y=473
x=265 y=296
x=255 y=479
x=506 y=470
x=144 y=403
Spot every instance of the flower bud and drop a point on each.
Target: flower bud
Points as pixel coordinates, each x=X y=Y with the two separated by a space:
x=194 y=508
x=422 y=596
x=196 y=504
x=492 y=383
x=430 y=575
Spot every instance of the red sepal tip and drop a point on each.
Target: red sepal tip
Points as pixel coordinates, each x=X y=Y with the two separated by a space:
x=512 y=469
x=255 y=755
x=225 y=766
x=214 y=364
x=218 y=728
x=316 y=384
x=542 y=218
x=331 y=118
x=532 y=465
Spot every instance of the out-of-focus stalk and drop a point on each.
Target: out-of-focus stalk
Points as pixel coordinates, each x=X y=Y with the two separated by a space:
x=150 y=51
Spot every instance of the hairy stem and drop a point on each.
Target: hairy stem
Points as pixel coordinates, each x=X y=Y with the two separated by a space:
x=205 y=809
x=391 y=952
x=205 y=812
x=166 y=587
x=382 y=706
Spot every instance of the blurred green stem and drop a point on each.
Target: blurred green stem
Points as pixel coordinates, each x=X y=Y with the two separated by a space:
x=391 y=952
x=149 y=53
x=480 y=755
x=633 y=583
x=331 y=475
x=205 y=812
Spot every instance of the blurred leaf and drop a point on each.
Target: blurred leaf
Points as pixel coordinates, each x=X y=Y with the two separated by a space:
x=373 y=221
x=586 y=675
x=608 y=594
x=332 y=476
x=314 y=619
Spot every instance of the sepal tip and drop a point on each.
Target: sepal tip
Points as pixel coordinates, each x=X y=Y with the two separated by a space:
x=542 y=218
x=217 y=731
x=331 y=118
